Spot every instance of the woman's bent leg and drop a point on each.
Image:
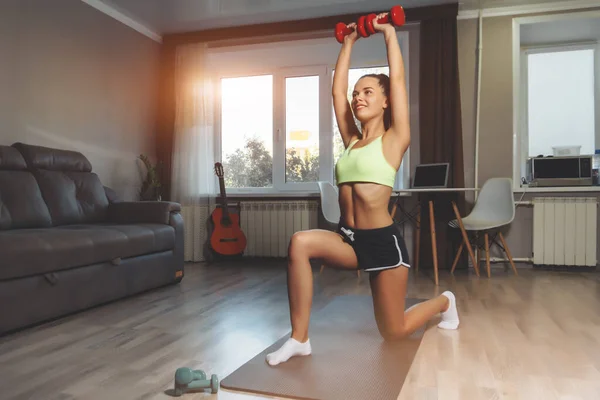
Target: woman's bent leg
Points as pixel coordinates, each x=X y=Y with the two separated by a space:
x=304 y=246
x=389 y=291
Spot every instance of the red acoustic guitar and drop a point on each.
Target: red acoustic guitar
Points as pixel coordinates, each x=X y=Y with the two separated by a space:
x=227 y=237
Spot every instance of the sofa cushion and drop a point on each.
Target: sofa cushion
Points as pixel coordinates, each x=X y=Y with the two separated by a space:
x=26 y=252
x=21 y=202
x=73 y=194
x=73 y=197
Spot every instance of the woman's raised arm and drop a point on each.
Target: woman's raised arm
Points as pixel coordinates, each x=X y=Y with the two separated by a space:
x=400 y=125
x=341 y=105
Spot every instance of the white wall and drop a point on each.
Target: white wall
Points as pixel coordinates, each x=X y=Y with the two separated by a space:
x=72 y=77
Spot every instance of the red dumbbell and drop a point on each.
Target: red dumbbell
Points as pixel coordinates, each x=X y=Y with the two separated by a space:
x=365 y=24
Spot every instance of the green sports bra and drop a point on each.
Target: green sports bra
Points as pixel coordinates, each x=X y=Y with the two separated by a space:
x=365 y=164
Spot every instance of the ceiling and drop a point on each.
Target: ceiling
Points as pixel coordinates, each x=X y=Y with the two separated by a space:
x=170 y=16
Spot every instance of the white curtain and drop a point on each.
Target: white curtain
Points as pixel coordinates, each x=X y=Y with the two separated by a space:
x=194 y=183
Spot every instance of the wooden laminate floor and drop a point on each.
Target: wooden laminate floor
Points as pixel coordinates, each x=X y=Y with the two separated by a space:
x=535 y=336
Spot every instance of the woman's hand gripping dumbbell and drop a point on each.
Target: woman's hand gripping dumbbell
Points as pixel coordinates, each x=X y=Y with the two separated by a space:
x=365 y=28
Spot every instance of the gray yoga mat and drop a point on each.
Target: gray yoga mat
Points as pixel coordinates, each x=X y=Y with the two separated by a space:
x=349 y=359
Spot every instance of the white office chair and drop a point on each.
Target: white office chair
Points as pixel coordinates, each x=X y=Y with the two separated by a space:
x=494 y=208
x=330 y=208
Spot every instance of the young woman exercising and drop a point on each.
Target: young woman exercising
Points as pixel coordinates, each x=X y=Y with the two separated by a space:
x=367 y=237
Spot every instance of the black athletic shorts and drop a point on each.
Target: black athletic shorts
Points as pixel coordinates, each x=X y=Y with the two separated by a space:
x=376 y=249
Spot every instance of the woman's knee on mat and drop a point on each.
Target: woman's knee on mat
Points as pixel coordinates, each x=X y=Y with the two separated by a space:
x=391 y=331
x=391 y=334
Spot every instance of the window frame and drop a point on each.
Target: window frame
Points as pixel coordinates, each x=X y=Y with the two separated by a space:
x=279 y=136
x=517 y=23
x=523 y=139
x=326 y=166
x=218 y=155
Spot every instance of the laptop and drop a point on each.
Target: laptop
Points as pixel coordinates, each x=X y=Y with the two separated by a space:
x=428 y=176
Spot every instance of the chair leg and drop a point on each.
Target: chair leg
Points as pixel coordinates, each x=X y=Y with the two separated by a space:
x=477 y=249
x=465 y=238
x=512 y=264
x=487 y=255
x=458 y=253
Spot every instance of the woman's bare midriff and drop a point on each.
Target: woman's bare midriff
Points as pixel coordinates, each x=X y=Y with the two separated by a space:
x=365 y=205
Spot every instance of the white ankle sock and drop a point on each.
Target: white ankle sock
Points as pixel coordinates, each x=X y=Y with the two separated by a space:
x=450 y=316
x=290 y=348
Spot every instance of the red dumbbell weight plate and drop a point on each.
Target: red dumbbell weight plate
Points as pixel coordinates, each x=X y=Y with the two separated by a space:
x=398 y=16
x=369 y=23
x=360 y=26
x=341 y=30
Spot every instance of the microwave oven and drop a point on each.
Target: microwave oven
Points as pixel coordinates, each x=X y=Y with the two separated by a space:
x=560 y=171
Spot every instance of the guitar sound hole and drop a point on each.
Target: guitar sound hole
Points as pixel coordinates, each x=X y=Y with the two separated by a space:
x=226 y=221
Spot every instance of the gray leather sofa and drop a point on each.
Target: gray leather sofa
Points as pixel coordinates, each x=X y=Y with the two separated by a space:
x=68 y=244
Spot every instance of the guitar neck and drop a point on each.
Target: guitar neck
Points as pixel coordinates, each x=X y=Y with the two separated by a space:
x=223 y=197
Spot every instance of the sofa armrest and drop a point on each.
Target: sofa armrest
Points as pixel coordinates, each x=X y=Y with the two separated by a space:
x=132 y=212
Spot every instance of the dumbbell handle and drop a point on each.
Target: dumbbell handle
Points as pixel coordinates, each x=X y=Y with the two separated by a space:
x=199 y=384
x=384 y=20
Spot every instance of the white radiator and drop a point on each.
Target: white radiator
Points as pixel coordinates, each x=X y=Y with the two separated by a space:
x=269 y=225
x=564 y=231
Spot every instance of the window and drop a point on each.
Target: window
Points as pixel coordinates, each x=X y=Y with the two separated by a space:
x=302 y=129
x=276 y=125
x=559 y=102
x=246 y=131
x=270 y=128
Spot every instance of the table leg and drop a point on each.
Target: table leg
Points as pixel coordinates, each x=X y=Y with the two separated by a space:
x=433 y=242
x=417 y=239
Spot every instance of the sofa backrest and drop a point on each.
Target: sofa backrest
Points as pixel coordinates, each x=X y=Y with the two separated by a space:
x=21 y=202
x=72 y=192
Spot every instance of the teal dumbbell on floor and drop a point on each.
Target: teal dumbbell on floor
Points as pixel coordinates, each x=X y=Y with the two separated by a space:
x=188 y=380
